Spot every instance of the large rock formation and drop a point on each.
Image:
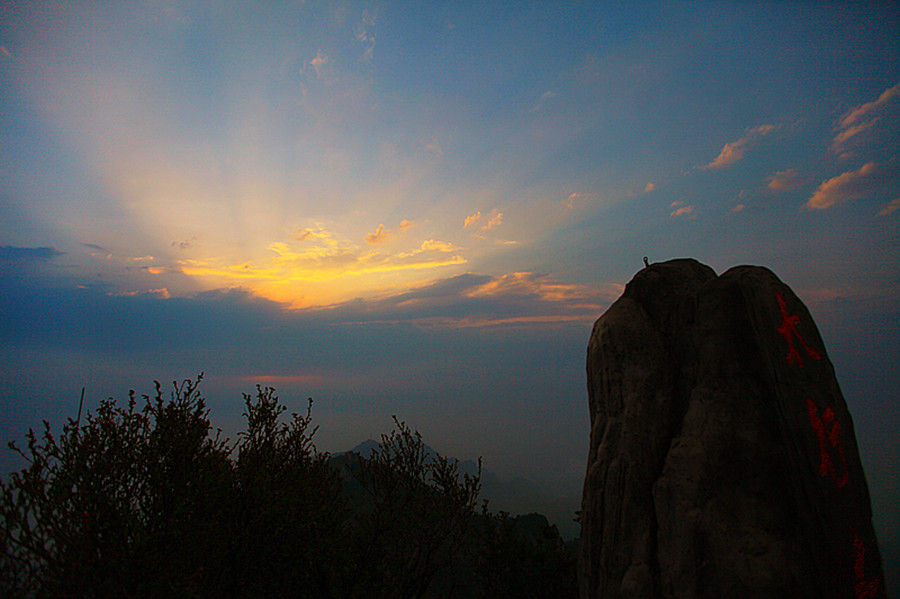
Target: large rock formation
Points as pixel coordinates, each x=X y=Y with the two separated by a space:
x=723 y=461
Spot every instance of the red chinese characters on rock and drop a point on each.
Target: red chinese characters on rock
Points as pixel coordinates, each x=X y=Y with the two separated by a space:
x=828 y=430
x=865 y=589
x=831 y=452
x=788 y=329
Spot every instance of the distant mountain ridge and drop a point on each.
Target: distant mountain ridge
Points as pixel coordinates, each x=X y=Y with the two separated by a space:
x=515 y=496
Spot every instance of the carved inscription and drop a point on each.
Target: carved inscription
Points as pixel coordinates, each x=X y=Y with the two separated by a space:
x=788 y=328
x=828 y=430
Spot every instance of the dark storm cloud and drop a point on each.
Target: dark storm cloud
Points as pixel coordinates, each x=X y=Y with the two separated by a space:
x=22 y=255
x=244 y=333
x=472 y=300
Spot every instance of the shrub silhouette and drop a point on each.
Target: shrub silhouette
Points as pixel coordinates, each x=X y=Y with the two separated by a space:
x=413 y=518
x=128 y=503
x=289 y=505
x=146 y=500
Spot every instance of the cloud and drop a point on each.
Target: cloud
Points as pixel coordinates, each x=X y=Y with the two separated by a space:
x=869 y=108
x=471 y=219
x=890 y=207
x=681 y=210
x=545 y=97
x=319 y=63
x=383 y=235
x=476 y=300
x=431 y=245
x=495 y=220
x=435 y=245
x=739 y=208
x=23 y=255
x=847 y=186
x=379 y=236
x=183 y=245
x=859 y=120
x=162 y=293
x=783 y=181
x=733 y=151
x=649 y=187
x=365 y=35
x=316 y=267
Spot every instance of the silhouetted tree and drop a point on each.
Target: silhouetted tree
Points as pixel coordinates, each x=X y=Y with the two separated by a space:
x=290 y=505
x=524 y=557
x=411 y=529
x=148 y=503
x=126 y=503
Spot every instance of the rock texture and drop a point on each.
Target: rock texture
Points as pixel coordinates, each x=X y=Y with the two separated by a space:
x=723 y=461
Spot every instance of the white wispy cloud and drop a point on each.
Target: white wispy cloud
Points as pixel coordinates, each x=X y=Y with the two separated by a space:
x=733 y=151
x=545 y=97
x=365 y=34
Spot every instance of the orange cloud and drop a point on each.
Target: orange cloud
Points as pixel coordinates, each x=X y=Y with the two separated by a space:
x=496 y=219
x=860 y=119
x=735 y=150
x=847 y=186
x=532 y=285
x=869 y=108
x=680 y=209
x=383 y=235
x=781 y=181
x=319 y=62
x=431 y=245
x=316 y=268
x=890 y=207
x=379 y=236
x=649 y=187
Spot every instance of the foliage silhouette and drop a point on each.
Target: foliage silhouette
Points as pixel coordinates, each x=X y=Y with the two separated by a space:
x=127 y=503
x=524 y=557
x=412 y=522
x=149 y=502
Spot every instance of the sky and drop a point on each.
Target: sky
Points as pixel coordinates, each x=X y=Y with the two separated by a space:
x=420 y=208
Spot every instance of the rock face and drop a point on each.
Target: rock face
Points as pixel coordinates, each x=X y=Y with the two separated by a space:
x=723 y=461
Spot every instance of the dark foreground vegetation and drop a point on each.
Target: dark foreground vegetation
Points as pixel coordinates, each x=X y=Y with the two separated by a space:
x=145 y=500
